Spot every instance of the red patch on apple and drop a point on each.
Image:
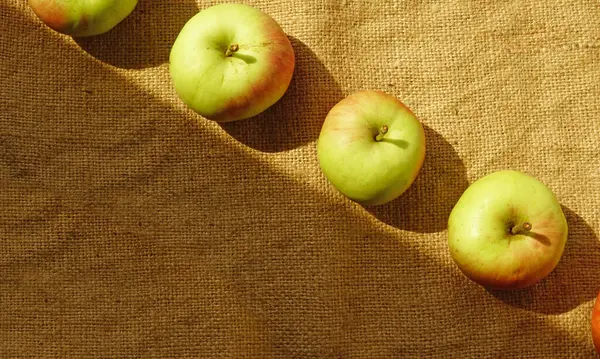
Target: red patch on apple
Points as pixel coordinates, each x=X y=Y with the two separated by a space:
x=50 y=13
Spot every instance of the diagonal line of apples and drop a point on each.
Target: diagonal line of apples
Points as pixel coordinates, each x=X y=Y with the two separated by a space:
x=507 y=231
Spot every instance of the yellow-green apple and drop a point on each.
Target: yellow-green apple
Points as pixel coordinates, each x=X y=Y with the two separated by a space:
x=596 y=324
x=231 y=62
x=507 y=231
x=371 y=147
x=81 y=18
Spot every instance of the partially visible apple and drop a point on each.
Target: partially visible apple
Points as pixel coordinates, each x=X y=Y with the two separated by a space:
x=231 y=62
x=507 y=231
x=371 y=147
x=596 y=324
x=81 y=18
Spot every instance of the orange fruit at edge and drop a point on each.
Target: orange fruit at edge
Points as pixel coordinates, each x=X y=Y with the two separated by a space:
x=596 y=324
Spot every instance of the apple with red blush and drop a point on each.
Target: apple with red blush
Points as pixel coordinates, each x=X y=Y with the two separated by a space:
x=231 y=62
x=81 y=18
x=371 y=147
x=507 y=231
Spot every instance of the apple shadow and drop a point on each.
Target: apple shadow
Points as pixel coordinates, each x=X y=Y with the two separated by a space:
x=297 y=117
x=573 y=281
x=144 y=39
x=426 y=205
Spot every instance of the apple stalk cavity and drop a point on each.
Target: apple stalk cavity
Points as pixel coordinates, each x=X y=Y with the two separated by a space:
x=522 y=228
x=382 y=131
x=233 y=48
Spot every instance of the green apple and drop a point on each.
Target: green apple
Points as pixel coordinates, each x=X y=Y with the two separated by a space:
x=507 y=231
x=371 y=147
x=231 y=62
x=81 y=18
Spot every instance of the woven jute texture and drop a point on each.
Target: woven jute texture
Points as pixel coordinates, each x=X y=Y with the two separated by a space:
x=130 y=227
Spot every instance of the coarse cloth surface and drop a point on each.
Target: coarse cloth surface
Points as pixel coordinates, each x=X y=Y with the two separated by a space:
x=130 y=227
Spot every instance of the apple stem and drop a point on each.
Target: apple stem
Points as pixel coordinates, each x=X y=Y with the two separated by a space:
x=233 y=48
x=382 y=131
x=521 y=228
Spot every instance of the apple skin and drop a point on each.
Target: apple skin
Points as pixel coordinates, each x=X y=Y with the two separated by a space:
x=480 y=238
x=365 y=170
x=81 y=18
x=596 y=324
x=230 y=88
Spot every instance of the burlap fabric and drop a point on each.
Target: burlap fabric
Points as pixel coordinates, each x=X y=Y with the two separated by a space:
x=132 y=228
